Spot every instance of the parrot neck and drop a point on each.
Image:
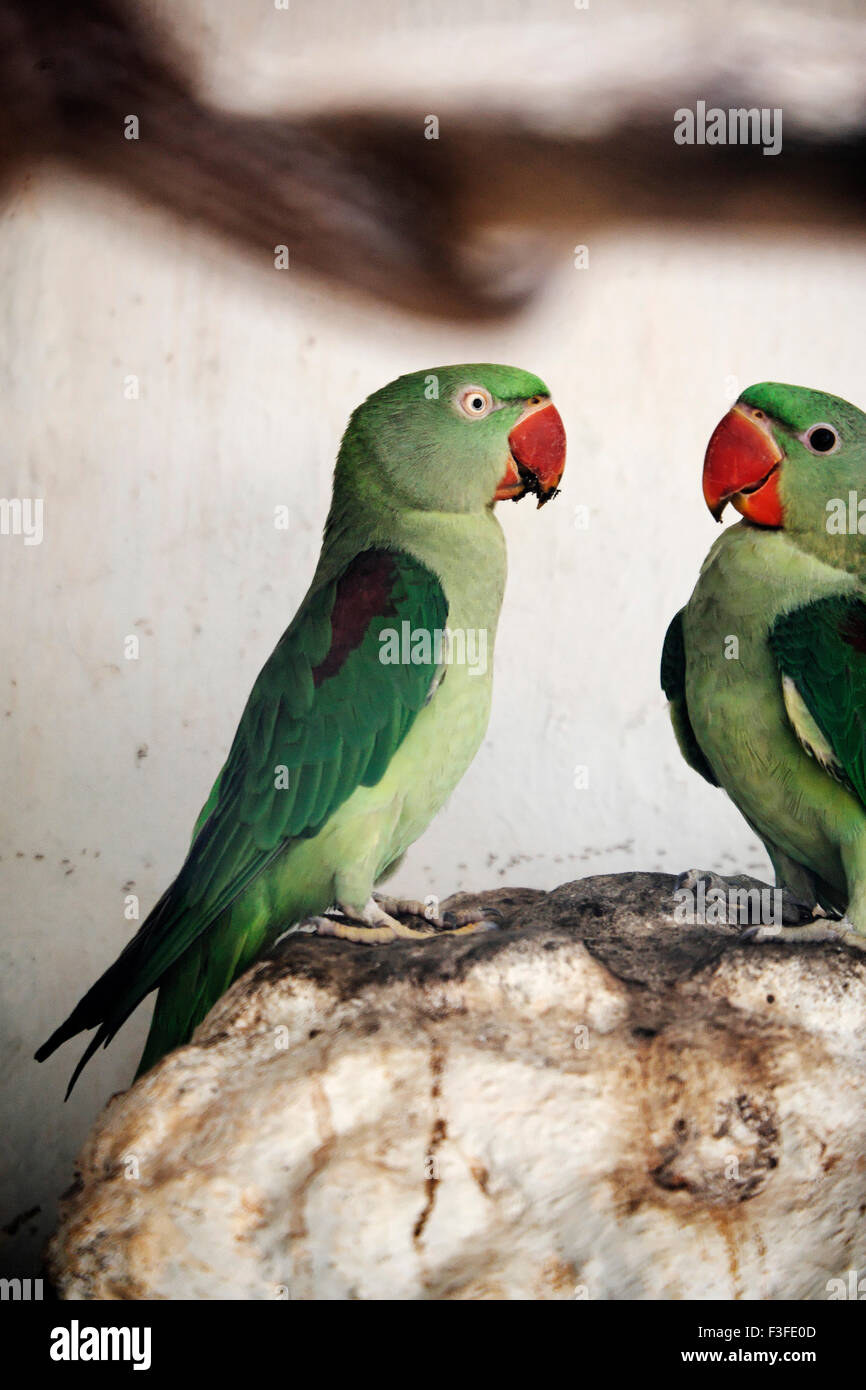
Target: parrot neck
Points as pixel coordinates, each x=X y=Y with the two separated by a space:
x=752 y=575
x=465 y=550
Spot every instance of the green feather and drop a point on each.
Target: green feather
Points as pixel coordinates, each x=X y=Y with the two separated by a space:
x=830 y=675
x=673 y=681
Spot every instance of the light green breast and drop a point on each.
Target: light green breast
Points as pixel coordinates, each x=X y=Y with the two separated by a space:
x=376 y=825
x=735 y=697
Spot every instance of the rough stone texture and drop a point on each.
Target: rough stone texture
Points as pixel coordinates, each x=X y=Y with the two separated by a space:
x=594 y=1102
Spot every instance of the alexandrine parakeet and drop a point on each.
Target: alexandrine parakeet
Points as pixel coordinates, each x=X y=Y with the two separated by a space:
x=369 y=710
x=765 y=667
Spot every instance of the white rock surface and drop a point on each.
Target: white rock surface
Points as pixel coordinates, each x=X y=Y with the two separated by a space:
x=593 y=1103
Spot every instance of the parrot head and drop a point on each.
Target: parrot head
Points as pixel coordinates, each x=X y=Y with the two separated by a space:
x=788 y=458
x=458 y=439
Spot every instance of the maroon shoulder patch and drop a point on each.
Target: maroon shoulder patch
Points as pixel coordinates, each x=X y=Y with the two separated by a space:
x=363 y=593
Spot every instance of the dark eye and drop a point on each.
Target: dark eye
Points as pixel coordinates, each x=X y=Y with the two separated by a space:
x=822 y=439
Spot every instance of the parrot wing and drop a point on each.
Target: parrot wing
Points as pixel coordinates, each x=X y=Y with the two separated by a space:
x=673 y=680
x=325 y=716
x=821 y=652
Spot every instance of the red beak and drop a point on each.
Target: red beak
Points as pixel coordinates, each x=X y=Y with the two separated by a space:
x=741 y=466
x=537 y=456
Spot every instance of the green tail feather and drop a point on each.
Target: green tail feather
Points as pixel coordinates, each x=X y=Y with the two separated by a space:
x=192 y=986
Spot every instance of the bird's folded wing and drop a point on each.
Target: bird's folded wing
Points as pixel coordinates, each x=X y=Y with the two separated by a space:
x=325 y=716
x=821 y=652
x=673 y=680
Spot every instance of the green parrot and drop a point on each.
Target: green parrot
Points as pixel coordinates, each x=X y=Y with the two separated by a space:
x=765 y=667
x=369 y=710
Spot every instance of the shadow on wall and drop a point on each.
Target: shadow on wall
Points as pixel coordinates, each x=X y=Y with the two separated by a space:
x=441 y=221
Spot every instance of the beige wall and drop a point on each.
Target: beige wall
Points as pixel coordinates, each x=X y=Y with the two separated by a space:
x=159 y=522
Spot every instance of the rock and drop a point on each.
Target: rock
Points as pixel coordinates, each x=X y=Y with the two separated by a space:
x=594 y=1102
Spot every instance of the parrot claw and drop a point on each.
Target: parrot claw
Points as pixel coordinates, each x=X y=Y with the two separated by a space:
x=454 y=923
x=473 y=924
x=346 y=931
x=822 y=929
x=406 y=907
x=372 y=928
x=379 y=922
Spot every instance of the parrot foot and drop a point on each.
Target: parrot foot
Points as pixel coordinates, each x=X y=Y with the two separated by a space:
x=458 y=923
x=823 y=928
x=372 y=927
x=351 y=931
x=379 y=922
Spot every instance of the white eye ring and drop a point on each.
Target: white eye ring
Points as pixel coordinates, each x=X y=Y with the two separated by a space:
x=806 y=437
x=475 y=402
